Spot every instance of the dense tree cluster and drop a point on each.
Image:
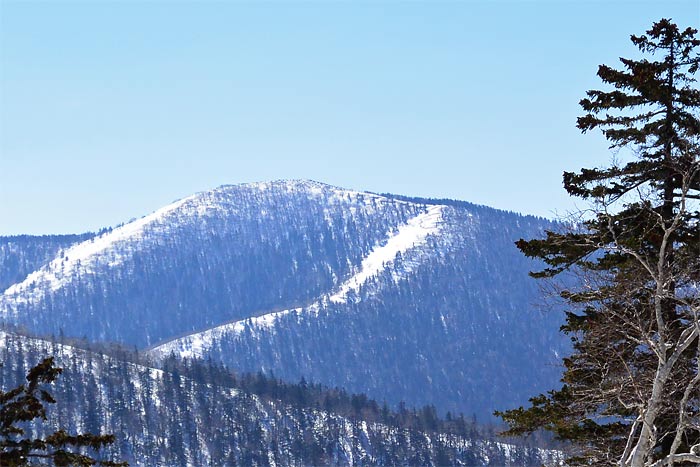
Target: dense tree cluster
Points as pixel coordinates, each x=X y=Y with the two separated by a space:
x=197 y=413
x=27 y=403
x=356 y=407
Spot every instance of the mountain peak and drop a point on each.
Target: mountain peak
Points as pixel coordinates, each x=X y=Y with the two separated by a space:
x=296 y=185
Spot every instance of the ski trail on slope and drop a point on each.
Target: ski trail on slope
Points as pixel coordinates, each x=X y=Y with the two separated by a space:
x=82 y=256
x=410 y=235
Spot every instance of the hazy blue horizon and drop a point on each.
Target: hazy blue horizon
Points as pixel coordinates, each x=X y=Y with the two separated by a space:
x=111 y=110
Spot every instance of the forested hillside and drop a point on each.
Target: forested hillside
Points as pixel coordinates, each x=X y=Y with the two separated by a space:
x=406 y=300
x=192 y=414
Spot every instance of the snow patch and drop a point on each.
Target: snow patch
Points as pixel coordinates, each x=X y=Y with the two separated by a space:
x=411 y=235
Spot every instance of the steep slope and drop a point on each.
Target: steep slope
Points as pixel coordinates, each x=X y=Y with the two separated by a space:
x=162 y=419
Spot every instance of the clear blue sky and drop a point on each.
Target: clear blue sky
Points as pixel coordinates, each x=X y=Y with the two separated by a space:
x=109 y=110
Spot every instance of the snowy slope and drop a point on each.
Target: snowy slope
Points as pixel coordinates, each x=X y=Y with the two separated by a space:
x=112 y=248
x=20 y=255
x=410 y=236
x=87 y=256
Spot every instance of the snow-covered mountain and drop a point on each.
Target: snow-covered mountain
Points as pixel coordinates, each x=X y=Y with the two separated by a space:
x=229 y=253
x=423 y=301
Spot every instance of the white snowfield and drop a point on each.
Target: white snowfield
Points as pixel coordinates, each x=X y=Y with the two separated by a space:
x=410 y=236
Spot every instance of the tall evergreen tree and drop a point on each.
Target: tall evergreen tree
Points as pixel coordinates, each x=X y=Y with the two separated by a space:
x=25 y=403
x=630 y=394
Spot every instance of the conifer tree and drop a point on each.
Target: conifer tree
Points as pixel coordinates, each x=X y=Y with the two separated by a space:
x=24 y=404
x=630 y=394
